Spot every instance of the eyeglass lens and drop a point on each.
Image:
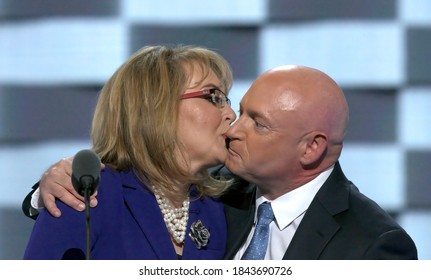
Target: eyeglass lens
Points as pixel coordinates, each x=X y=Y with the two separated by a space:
x=219 y=99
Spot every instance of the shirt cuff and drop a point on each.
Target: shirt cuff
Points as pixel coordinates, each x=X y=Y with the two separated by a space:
x=36 y=201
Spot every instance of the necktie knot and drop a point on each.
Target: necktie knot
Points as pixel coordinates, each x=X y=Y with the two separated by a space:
x=265 y=214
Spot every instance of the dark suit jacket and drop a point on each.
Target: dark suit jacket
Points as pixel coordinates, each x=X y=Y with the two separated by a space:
x=126 y=224
x=340 y=223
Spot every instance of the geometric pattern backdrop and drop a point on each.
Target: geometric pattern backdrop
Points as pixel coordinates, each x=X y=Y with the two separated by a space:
x=55 y=55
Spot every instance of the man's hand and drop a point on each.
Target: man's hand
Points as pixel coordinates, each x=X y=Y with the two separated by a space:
x=56 y=183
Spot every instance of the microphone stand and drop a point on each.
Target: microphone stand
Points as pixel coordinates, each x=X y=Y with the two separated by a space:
x=87 y=211
x=87 y=182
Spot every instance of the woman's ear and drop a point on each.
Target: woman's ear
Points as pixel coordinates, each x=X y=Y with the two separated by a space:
x=315 y=148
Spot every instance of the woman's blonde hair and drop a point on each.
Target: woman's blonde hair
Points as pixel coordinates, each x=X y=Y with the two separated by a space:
x=135 y=120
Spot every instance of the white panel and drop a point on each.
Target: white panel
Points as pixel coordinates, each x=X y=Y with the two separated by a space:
x=378 y=172
x=61 y=51
x=415 y=117
x=353 y=53
x=195 y=11
x=415 y=11
x=22 y=165
x=418 y=226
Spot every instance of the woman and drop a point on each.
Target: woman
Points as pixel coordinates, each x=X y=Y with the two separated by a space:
x=159 y=124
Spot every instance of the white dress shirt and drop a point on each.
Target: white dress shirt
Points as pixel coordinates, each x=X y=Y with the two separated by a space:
x=289 y=209
x=36 y=202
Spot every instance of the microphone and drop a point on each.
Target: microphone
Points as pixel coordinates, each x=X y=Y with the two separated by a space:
x=85 y=172
x=85 y=179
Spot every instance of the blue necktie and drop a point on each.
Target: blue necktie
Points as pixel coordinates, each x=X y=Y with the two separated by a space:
x=256 y=250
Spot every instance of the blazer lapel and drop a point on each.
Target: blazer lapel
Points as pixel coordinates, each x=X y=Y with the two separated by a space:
x=190 y=252
x=240 y=207
x=314 y=232
x=318 y=225
x=143 y=206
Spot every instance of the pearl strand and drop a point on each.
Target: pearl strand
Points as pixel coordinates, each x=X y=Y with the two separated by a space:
x=175 y=218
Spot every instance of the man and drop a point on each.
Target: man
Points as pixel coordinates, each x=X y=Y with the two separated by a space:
x=286 y=143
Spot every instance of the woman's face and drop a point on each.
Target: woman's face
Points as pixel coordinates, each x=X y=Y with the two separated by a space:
x=202 y=125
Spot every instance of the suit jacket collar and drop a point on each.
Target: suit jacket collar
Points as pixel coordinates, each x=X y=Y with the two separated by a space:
x=318 y=225
x=143 y=206
x=240 y=206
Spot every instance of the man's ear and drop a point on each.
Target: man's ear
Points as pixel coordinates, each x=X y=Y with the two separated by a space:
x=315 y=148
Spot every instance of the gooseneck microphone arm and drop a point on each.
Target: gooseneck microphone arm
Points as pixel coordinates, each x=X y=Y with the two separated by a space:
x=85 y=179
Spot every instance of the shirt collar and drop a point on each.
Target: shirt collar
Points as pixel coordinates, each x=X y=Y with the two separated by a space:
x=289 y=206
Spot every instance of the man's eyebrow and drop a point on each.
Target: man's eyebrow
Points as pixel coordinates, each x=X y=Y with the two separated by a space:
x=253 y=113
x=256 y=114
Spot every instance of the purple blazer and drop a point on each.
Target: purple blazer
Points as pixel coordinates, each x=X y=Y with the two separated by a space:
x=126 y=224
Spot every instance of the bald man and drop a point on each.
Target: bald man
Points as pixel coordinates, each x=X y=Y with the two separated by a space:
x=286 y=144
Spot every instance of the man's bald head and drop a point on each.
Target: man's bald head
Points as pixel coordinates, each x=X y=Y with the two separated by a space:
x=316 y=97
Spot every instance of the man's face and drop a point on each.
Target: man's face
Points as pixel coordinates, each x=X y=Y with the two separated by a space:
x=264 y=141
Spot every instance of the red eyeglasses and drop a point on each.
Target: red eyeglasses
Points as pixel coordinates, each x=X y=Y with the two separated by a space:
x=216 y=96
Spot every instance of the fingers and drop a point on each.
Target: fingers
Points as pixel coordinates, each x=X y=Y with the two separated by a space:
x=56 y=191
x=51 y=206
x=56 y=183
x=93 y=200
x=67 y=198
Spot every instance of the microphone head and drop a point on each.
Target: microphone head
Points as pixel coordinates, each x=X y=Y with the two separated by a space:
x=85 y=171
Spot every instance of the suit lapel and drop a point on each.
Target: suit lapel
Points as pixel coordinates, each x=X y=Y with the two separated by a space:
x=318 y=225
x=314 y=232
x=143 y=206
x=190 y=252
x=240 y=207
x=239 y=225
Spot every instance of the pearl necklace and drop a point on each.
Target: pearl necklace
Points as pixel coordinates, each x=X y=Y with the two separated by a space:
x=175 y=218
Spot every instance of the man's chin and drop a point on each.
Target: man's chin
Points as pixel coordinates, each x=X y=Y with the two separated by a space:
x=232 y=164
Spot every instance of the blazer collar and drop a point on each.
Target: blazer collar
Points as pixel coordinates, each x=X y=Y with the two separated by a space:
x=143 y=206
